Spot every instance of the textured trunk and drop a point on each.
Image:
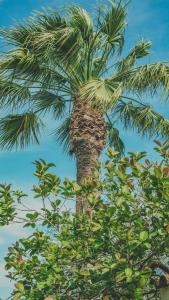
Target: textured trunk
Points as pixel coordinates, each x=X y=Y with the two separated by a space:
x=87 y=158
x=87 y=137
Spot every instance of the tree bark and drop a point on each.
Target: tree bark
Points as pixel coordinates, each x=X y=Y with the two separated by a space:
x=87 y=137
x=87 y=158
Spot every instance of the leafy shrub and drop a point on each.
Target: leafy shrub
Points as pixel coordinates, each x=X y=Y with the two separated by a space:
x=109 y=251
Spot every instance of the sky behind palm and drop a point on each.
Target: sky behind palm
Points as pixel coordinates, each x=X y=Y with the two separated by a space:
x=146 y=18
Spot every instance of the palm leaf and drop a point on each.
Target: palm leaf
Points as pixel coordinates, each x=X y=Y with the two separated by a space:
x=13 y=94
x=140 y=50
x=143 y=119
x=49 y=20
x=23 y=34
x=63 y=44
x=23 y=63
x=20 y=35
x=45 y=101
x=81 y=21
x=148 y=78
x=113 y=24
x=101 y=93
x=62 y=134
x=19 y=130
x=38 y=35
x=114 y=140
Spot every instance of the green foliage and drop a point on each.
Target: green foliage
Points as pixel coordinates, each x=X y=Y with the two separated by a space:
x=113 y=24
x=46 y=101
x=140 y=50
x=114 y=139
x=105 y=252
x=142 y=118
x=23 y=127
x=56 y=57
x=7 y=205
x=62 y=134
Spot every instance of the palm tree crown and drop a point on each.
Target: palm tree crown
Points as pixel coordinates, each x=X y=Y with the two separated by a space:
x=55 y=59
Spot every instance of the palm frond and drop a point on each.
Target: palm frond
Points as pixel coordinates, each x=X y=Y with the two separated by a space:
x=148 y=78
x=23 y=34
x=101 y=93
x=23 y=63
x=64 y=44
x=140 y=50
x=19 y=130
x=114 y=140
x=45 y=101
x=62 y=134
x=143 y=119
x=81 y=21
x=20 y=59
x=113 y=24
x=49 y=20
x=37 y=35
x=17 y=35
x=13 y=94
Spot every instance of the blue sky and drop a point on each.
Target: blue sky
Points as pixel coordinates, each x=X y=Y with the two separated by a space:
x=146 y=18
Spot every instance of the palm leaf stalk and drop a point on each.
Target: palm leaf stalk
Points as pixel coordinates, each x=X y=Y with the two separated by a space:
x=71 y=67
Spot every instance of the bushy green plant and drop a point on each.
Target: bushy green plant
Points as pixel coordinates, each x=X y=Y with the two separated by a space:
x=7 y=204
x=110 y=252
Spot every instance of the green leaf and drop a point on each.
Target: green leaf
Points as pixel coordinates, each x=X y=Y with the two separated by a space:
x=138 y=294
x=96 y=226
x=129 y=273
x=120 y=201
x=144 y=236
x=20 y=286
x=17 y=296
x=84 y=272
x=19 y=130
x=143 y=281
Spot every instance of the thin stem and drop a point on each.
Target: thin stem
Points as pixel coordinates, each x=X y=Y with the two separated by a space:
x=132 y=99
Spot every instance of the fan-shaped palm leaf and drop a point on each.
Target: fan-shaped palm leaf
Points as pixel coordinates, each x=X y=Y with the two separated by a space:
x=101 y=93
x=24 y=64
x=13 y=94
x=19 y=130
x=45 y=101
x=143 y=119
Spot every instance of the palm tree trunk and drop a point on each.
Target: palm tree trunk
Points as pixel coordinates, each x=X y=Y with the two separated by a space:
x=87 y=137
x=87 y=158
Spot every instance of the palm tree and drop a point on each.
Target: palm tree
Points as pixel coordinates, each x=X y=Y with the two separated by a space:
x=71 y=67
